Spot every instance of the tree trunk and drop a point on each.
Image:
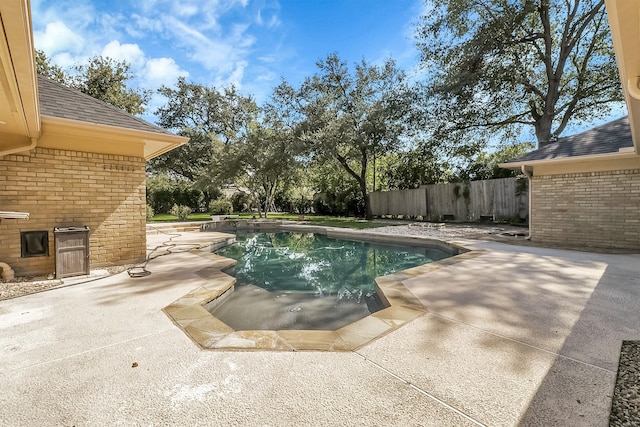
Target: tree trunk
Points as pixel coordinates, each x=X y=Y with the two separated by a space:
x=543 y=131
x=257 y=200
x=367 y=202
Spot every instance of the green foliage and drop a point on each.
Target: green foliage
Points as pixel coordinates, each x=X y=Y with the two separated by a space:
x=497 y=66
x=181 y=212
x=209 y=117
x=240 y=201
x=163 y=192
x=335 y=193
x=101 y=78
x=264 y=163
x=302 y=205
x=327 y=221
x=232 y=141
x=485 y=166
x=411 y=169
x=106 y=79
x=44 y=67
x=456 y=191
x=462 y=189
x=220 y=206
x=341 y=203
x=302 y=197
x=150 y=213
x=167 y=217
x=350 y=116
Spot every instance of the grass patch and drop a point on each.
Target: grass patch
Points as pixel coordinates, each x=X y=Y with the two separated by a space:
x=172 y=218
x=333 y=221
x=326 y=221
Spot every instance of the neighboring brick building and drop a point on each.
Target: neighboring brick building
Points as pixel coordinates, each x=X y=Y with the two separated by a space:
x=66 y=160
x=585 y=189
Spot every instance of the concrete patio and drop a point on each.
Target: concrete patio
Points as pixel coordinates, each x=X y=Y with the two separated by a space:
x=516 y=336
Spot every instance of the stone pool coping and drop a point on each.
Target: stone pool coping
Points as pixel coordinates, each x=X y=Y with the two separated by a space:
x=208 y=332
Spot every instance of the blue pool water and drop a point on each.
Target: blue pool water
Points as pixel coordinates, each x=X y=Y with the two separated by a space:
x=288 y=280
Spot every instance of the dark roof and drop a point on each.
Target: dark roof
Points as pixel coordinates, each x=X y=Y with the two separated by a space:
x=607 y=138
x=57 y=100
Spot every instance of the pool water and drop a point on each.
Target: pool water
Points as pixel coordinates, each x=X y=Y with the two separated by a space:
x=288 y=280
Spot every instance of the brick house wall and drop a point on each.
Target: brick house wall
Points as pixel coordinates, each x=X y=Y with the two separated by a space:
x=587 y=209
x=61 y=188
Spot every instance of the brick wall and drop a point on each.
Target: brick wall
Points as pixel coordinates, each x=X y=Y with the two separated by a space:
x=68 y=188
x=591 y=209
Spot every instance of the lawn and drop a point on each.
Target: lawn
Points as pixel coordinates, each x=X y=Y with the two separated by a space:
x=327 y=221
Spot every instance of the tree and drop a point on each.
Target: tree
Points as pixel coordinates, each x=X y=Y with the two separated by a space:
x=485 y=165
x=207 y=116
x=106 y=79
x=44 y=67
x=335 y=192
x=499 y=65
x=164 y=191
x=262 y=164
x=232 y=140
x=101 y=78
x=411 y=169
x=351 y=116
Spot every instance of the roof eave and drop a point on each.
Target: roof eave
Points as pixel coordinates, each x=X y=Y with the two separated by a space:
x=17 y=74
x=624 y=21
x=631 y=154
x=155 y=143
x=157 y=148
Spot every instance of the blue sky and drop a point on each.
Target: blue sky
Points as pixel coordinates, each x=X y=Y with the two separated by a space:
x=250 y=43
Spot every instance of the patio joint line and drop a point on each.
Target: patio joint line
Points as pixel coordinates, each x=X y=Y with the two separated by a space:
x=69 y=356
x=424 y=392
x=523 y=343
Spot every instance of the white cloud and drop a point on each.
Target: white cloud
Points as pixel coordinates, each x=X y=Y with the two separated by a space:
x=218 y=55
x=209 y=41
x=267 y=76
x=65 y=60
x=274 y=21
x=140 y=26
x=163 y=71
x=128 y=52
x=57 y=37
x=267 y=59
x=269 y=22
x=186 y=10
x=235 y=78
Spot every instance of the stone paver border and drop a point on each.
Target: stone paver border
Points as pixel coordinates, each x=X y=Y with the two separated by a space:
x=208 y=332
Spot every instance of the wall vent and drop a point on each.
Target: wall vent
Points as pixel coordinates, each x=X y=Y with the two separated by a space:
x=34 y=243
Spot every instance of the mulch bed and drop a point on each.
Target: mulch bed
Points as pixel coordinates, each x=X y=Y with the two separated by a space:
x=625 y=405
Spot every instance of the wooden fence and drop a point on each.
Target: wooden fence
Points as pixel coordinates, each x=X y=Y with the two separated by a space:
x=399 y=202
x=493 y=199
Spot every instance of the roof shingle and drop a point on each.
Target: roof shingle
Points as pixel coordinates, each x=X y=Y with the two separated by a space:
x=605 y=139
x=57 y=100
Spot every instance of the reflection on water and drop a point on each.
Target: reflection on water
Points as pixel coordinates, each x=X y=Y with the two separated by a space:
x=308 y=281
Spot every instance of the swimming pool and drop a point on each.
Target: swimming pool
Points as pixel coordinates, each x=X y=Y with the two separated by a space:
x=307 y=281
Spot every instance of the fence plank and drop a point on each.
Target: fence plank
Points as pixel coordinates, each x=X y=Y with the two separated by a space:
x=467 y=201
x=400 y=202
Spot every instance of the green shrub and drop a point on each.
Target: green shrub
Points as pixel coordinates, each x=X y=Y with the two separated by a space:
x=163 y=192
x=220 y=207
x=182 y=212
x=150 y=213
x=303 y=206
x=240 y=201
